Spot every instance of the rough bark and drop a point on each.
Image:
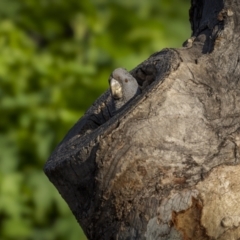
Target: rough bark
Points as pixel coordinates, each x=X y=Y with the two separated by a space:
x=165 y=166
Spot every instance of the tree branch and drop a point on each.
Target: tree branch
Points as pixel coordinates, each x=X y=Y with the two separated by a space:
x=165 y=166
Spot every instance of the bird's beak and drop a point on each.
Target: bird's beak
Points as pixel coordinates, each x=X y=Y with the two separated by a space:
x=116 y=89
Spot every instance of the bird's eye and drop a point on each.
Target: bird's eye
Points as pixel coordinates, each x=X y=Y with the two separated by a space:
x=126 y=80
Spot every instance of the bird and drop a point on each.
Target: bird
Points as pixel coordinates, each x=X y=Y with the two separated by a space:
x=123 y=87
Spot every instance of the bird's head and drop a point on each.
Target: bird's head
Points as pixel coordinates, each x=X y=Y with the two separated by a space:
x=123 y=85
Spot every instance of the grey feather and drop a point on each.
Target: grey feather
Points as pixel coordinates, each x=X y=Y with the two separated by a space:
x=123 y=87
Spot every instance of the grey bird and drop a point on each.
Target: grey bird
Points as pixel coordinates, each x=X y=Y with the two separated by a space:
x=123 y=87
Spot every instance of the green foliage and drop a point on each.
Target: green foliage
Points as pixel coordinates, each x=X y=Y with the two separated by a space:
x=55 y=60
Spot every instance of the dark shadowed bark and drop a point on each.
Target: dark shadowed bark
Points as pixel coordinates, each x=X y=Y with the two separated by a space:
x=166 y=165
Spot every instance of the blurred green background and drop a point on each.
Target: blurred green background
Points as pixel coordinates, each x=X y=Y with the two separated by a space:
x=55 y=60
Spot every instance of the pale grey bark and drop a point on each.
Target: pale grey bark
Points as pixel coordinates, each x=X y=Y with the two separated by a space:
x=166 y=166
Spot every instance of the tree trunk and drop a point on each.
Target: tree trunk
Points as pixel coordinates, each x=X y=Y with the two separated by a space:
x=166 y=165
